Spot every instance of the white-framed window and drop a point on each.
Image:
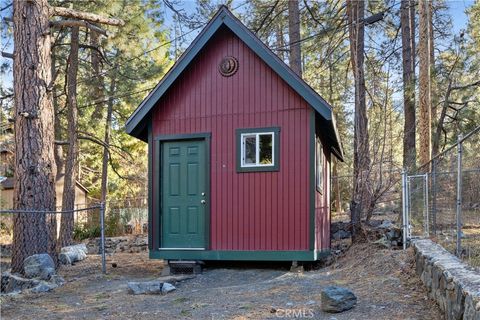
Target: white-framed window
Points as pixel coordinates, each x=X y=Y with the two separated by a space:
x=258 y=149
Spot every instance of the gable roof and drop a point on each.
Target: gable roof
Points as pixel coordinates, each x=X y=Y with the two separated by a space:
x=136 y=125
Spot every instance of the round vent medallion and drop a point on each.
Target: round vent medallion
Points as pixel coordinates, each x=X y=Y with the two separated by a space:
x=228 y=66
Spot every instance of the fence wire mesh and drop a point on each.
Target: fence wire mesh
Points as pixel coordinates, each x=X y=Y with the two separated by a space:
x=386 y=191
x=443 y=199
x=124 y=225
x=41 y=233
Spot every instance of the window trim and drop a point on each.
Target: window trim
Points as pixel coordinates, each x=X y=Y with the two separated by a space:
x=240 y=133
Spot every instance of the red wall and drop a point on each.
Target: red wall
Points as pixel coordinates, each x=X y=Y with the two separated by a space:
x=249 y=211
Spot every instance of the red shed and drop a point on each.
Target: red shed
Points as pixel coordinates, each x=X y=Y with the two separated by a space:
x=239 y=153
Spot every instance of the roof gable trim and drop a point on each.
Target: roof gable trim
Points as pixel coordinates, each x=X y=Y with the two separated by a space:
x=224 y=17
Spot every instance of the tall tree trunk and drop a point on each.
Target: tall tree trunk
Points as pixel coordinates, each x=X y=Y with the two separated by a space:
x=106 y=151
x=68 y=201
x=433 y=82
x=279 y=40
x=98 y=83
x=57 y=125
x=407 y=20
x=425 y=152
x=294 y=37
x=361 y=162
x=336 y=181
x=58 y=155
x=35 y=169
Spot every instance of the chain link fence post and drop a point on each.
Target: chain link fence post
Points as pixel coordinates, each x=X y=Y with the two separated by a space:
x=459 y=197
x=426 y=226
x=404 y=208
x=434 y=196
x=102 y=236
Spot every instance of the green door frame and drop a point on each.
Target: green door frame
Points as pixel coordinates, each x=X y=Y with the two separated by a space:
x=157 y=173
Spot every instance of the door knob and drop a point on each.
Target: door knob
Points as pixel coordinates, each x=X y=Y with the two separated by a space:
x=203 y=201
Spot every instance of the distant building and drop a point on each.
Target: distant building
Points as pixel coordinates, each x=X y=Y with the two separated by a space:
x=6 y=181
x=6 y=193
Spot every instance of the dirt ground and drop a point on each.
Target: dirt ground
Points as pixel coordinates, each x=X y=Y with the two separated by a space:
x=383 y=280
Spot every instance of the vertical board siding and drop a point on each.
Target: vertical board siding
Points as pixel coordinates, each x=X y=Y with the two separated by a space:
x=254 y=210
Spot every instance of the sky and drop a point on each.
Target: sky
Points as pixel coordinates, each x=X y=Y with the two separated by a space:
x=457 y=10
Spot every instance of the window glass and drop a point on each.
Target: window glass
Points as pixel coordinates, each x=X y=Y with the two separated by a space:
x=319 y=165
x=266 y=148
x=258 y=149
x=250 y=149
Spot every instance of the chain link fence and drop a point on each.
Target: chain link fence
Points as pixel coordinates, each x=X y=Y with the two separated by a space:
x=41 y=232
x=386 y=192
x=442 y=199
x=103 y=236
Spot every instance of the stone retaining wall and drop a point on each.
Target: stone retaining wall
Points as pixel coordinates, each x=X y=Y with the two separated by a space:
x=127 y=244
x=450 y=282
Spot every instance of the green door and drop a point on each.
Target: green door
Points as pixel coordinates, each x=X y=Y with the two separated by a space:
x=183 y=194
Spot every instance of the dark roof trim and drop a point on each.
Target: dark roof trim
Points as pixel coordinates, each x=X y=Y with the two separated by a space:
x=7 y=184
x=135 y=124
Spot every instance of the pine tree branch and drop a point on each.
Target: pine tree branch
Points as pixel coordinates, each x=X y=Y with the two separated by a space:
x=77 y=23
x=91 y=17
x=7 y=55
x=466 y=86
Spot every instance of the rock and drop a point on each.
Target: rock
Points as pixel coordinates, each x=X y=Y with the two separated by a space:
x=386 y=224
x=4 y=281
x=167 y=287
x=336 y=226
x=12 y=283
x=148 y=287
x=64 y=258
x=15 y=283
x=341 y=234
x=337 y=299
x=39 y=266
x=43 y=286
x=72 y=254
x=58 y=280
x=6 y=250
x=383 y=242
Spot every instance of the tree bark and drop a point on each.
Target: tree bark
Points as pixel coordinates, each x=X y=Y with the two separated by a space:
x=78 y=23
x=407 y=20
x=425 y=121
x=98 y=82
x=106 y=152
x=91 y=17
x=58 y=155
x=70 y=178
x=361 y=162
x=294 y=37
x=35 y=169
x=433 y=82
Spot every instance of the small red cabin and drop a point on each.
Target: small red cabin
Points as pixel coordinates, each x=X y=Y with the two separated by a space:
x=239 y=153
